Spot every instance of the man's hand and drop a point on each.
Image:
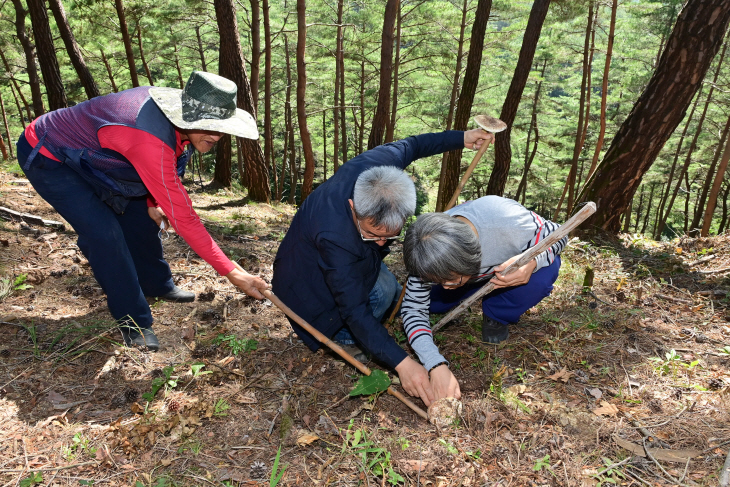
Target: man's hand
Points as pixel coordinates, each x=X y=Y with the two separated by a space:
x=444 y=384
x=515 y=278
x=473 y=139
x=251 y=285
x=158 y=216
x=414 y=379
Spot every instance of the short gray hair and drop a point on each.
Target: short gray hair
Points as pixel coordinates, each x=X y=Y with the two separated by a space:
x=385 y=196
x=438 y=247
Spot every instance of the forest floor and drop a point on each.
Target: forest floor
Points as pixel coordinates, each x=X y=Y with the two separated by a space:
x=626 y=384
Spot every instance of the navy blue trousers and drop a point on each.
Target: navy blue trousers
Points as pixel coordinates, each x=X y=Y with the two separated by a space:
x=124 y=251
x=504 y=305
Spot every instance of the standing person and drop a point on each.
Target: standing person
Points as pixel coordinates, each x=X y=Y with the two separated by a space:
x=451 y=255
x=329 y=268
x=111 y=167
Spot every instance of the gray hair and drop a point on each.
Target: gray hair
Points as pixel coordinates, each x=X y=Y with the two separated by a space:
x=385 y=196
x=438 y=247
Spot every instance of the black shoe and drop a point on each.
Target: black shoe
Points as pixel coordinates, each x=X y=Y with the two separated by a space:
x=140 y=337
x=356 y=352
x=493 y=331
x=177 y=295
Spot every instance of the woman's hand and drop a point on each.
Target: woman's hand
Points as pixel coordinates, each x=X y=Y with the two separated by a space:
x=414 y=379
x=444 y=384
x=473 y=139
x=251 y=285
x=515 y=278
x=158 y=216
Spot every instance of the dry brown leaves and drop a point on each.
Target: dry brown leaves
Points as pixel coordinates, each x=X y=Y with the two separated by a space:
x=144 y=433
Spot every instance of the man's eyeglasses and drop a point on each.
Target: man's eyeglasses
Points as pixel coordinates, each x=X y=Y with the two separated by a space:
x=374 y=239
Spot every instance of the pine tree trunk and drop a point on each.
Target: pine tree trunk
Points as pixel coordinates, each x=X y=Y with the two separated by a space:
x=604 y=89
x=324 y=145
x=268 y=127
x=452 y=161
x=201 y=52
x=657 y=214
x=724 y=209
x=522 y=187
x=502 y=148
x=719 y=177
x=47 y=59
x=17 y=104
x=141 y=54
x=699 y=212
x=627 y=218
x=639 y=210
x=690 y=151
x=239 y=159
x=74 y=53
x=380 y=119
x=663 y=199
x=255 y=54
x=699 y=209
x=390 y=129
x=30 y=60
x=587 y=118
x=180 y=80
x=282 y=177
x=108 y=71
x=361 y=140
x=452 y=101
x=17 y=88
x=343 y=110
x=337 y=102
x=127 y=42
x=5 y=123
x=289 y=115
x=702 y=25
x=222 y=171
x=231 y=66
x=578 y=146
x=304 y=136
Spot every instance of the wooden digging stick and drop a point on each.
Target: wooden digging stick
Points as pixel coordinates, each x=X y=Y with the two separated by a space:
x=338 y=350
x=488 y=124
x=334 y=347
x=466 y=175
x=587 y=210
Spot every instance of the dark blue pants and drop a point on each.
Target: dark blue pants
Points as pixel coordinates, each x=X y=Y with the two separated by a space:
x=124 y=250
x=504 y=305
x=383 y=296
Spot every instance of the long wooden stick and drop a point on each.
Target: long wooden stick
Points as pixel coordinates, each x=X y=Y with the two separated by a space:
x=333 y=346
x=338 y=350
x=587 y=210
x=466 y=175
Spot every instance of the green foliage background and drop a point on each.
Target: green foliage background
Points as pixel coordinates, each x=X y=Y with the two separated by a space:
x=430 y=33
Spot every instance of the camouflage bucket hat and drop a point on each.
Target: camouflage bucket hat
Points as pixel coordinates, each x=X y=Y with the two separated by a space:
x=208 y=102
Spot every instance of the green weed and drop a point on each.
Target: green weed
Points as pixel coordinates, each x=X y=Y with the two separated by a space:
x=237 y=346
x=543 y=463
x=8 y=287
x=276 y=474
x=33 y=479
x=221 y=407
x=158 y=383
x=374 y=459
